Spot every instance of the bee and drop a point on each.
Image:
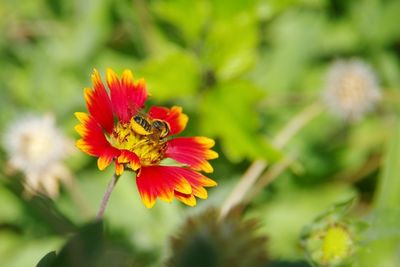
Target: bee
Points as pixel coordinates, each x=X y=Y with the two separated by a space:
x=144 y=122
x=161 y=127
x=155 y=129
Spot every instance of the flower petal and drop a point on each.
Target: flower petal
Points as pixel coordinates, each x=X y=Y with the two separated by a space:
x=131 y=158
x=187 y=199
x=119 y=168
x=106 y=158
x=174 y=117
x=160 y=182
x=136 y=93
x=193 y=151
x=127 y=97
x=99 y=104
x=118 y=96
x=93 y=141
x=197 y=181
x=165 y=182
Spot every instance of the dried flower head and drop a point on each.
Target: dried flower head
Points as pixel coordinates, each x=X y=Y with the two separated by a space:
x=207 y=240
x=351 y=89
x=36 y=147
x=117 y=129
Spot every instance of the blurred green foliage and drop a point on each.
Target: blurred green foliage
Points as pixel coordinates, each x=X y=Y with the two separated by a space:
x=241 y=70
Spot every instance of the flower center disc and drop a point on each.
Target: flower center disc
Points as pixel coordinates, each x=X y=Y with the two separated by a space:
x=147 y=145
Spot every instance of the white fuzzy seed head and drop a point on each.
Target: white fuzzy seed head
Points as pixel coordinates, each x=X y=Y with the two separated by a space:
x=35 y=146
x=351 y=89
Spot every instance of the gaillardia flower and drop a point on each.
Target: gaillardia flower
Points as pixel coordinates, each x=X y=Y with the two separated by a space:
x=118 y=130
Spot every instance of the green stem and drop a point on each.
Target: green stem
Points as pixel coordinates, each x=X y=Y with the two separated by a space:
x=388 y=191
x=269 y=176
x=106 y=197
x=258 y=166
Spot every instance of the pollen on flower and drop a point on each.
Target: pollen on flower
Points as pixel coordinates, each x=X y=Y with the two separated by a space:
x=36 y=148
x=149 y=150
x=351 y=89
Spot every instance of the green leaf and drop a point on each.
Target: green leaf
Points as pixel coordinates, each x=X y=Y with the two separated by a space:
x=225 y=9
x=177 y=13
x=278 y=6
x=295 y=39
x=340 y=37
x=230 y=46
x=47 y=260
x=228 y=113
x=83 y=248
x=89 y=21
x=93 y=246
x=175 y=75
x=377 y=21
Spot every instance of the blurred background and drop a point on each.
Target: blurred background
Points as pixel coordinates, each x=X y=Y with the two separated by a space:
x=270 y=81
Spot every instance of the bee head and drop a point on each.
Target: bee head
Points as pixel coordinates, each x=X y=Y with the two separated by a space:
x=162 y=127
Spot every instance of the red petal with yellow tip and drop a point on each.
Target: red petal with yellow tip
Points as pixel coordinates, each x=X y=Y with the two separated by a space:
x=93 y=141
x=107 y=157
x=119 y=168
x=174 y=117
x=187 y=199
x=160 y=182
x=136 y=93
x=192 y=151
x=129 y=157
x=127 y=97
x=118 y=96
x=196 y=180
x=99 y=104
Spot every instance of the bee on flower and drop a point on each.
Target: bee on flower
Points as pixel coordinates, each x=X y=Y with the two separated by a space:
x=36 y=147
x=351 y=89
x=118 y=130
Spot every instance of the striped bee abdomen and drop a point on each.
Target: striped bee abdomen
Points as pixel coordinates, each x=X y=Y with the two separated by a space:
x=142 y=122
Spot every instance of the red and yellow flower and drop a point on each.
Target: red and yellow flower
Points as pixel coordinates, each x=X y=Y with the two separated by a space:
x=117 y=130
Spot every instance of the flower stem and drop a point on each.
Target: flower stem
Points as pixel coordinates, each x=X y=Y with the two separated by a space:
x=269 y=176
x=106 y=197
x=258 y=166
